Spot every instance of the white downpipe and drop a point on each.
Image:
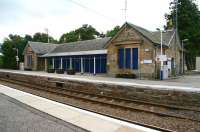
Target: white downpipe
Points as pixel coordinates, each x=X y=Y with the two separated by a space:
x=82 y=65
x=161 y=48
x=94 y=66
x=61 y=63
x=53 y=61
x=70 y=66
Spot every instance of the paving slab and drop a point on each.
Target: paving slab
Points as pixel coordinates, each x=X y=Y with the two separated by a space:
x=127 y=129
x=94 y=124
x=64 y=113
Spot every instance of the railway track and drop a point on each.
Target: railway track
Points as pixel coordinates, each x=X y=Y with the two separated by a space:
x=155 y=110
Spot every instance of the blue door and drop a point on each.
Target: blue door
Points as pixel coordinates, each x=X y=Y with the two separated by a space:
x=128 y=58
x=121 y=58
x=64 y=64
x=77 y=64
x=91 y=63
x=57 y=63
x=103 y=65
x=86 y=64
x=98 y=64
x=135 y=58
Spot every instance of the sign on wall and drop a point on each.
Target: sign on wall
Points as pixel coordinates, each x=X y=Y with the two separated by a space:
x=161 y=58
x=147 y=62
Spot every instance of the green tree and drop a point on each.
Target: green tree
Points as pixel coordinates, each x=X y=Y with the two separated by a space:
x=69 y=37
x=86 y=32
x=188 y=28
x=10 y=47
x=113 y=32
x=43 y=37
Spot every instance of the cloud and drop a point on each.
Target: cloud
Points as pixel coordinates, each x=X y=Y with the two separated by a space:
x=60 y=16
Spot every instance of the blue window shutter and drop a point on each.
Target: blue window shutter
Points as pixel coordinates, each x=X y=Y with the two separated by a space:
x=135 y=58
x=103 y=65
x=121 y=58
x=91 y=64
x=86 y=64
x=128 y=58
x=98 y=63
x=67 y=63
x=57 y=63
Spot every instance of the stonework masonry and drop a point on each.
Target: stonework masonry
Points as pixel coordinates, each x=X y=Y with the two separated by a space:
x=130 y=38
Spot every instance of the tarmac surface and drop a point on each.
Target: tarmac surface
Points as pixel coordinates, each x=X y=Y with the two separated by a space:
x=18 y=117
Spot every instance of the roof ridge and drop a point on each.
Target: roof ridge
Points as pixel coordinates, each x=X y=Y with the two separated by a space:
x=140 y=27
x=34 y=42
x=86 y=40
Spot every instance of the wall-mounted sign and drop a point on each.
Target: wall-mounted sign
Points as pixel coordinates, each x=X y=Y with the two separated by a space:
x=161 y=58
x=147 y=62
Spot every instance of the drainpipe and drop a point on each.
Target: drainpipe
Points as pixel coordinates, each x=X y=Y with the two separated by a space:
x=94 y=66
x=53 y=61
x=61 y=63
x=82 y=65
x=70 y=66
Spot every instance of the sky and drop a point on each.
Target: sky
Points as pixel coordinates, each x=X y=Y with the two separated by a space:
x=60 y=16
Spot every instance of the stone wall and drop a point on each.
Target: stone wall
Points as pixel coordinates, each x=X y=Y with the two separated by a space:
x=28 y=51
x=167 y=97
x=41 y=64
x=38 y=63
x=131 y=38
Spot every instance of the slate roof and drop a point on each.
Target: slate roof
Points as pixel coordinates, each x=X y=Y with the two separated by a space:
x=42 y=48
x=88 y=45
x=47 y=49
x=154 y=36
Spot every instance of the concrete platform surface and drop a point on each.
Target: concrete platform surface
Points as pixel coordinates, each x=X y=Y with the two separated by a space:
x=81 y=118
x=187 y=83
x=18 y=117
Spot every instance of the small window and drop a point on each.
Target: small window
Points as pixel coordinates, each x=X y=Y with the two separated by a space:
x=29 y=60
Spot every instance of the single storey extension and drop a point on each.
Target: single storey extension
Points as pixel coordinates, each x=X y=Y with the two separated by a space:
x=133 y=50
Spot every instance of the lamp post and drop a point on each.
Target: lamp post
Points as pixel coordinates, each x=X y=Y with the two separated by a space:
x=175 y=7
x=183 y=60
x=161 y=52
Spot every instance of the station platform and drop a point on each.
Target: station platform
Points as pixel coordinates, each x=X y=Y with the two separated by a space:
x=188 y=84
x=87 y=120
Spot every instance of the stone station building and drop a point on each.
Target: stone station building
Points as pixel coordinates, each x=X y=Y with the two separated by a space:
x=133 y=50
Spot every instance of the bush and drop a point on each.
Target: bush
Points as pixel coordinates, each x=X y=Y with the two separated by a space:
x=51 y=70
x=60 y=71
x=71 y=72
x=129 y=75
